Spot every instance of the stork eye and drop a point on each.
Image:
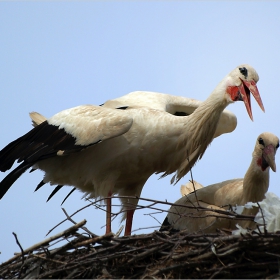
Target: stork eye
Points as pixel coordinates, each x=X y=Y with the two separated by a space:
x=277 y=146
x=244 y=72
x=261 y=142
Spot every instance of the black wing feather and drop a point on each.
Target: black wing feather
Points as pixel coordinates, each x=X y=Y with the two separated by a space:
x=68 y=195
x=12 y=177
x=41 y=184
x=42 y=142
x=57 y=188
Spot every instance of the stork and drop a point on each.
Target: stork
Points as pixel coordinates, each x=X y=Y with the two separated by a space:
x=251 y=188
x=175 y=105
x=104 y=151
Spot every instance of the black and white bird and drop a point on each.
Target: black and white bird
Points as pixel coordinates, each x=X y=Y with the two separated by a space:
x=102 y=150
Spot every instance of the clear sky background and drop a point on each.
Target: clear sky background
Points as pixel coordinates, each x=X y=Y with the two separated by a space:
x=57 y=55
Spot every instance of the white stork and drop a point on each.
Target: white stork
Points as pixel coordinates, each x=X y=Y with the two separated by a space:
x=251 y=188
x=175 y=105
x=104 y=151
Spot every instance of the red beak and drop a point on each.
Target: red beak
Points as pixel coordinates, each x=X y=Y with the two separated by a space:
x=269 y=156
x=245 y=88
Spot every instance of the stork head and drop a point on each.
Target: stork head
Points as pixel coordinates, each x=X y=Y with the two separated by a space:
x=240 y=82
x=265 y=150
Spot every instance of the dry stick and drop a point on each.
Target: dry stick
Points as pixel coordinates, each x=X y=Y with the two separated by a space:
x=92 y=254
x=95 y=239
x=49 y=260
x=79 y=210
x=141 y=228
x=272 y=254
x=151 y=215
x=226 y=214
x=264 y=224
x=148 y=252
x=173 y=267
x=22 y=252
x=99 y=239
x=158 y=202
x=22 y=255
x=216 y=273
x=158 y=237
x=71 y=220
x=67 y=219
x=65 y=232
x=193 y=182
x=250 y=217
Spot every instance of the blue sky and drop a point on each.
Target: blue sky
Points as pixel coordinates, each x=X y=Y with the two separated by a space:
x=57 y=55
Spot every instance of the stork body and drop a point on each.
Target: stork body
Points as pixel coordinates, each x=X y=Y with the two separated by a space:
x=104 y=151
x=251 y=188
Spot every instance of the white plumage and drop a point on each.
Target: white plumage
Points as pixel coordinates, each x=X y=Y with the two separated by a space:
x=104 y=151
x=251 y=188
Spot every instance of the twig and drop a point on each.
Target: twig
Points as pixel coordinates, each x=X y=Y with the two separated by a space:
x=147 y=252
x=216 y=273
x=54 y=237
x=92 y=241
x=193 y=183
x=264 y=224
x=49 y=260
x=71 y=220
x=22 y=252
x=145 y=228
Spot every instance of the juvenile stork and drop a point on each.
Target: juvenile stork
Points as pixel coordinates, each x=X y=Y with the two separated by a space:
x=251 y=188
x=104 y=151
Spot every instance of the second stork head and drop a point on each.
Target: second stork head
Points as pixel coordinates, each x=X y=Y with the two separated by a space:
x=239 y=83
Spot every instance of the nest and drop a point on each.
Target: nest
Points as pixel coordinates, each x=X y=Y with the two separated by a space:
x=155 y=255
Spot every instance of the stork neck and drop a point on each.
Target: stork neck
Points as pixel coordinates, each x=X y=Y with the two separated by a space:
x=200 y=128
x=202 y=123
x=256 y=183
x=213 y=105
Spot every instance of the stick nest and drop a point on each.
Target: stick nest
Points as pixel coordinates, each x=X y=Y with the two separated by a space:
x=78 y=253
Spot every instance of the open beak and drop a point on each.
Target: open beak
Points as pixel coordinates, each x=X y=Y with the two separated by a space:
x=244 y=89
x=269 y=156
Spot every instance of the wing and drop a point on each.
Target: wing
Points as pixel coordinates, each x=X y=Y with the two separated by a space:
x=69 y=131
x=175 y=105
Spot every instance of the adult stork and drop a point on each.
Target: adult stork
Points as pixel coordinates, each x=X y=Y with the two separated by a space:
x=251 y=188
x=104 y=151
x=175 y=105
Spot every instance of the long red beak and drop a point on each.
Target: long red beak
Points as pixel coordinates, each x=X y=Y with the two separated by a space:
x=269 y=155
x=245 y=88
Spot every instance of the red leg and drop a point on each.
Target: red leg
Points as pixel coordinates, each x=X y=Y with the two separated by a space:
x=128 y=224
x=108 y=213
